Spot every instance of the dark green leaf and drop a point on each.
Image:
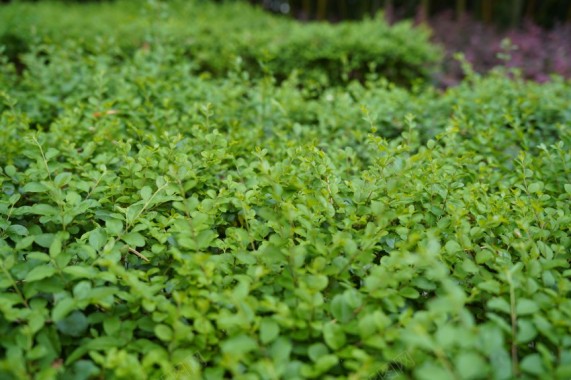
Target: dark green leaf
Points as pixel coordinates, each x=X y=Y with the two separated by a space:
x=74 y=324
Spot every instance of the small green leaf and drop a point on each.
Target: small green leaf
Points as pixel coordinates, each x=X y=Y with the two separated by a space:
x=317 y=282
x=97 y=238
x=340 y=309
x=528 y=173
x=114 y=226
x=44 y=240
x=63 y=308
x=469 y=266
x=34 y=187
x=25 y=242
x=74 y=325
x=39 y=273
x=238 y=345
x=134 y=239
x=86 y=368
x=447 y=336
x=163 y=332
x=80 y=271
x=526 y=306
x=471 y=366
x=51 y=153
x=44 y=209
x=281 y=349
x=317 y=350
x=532 y=364
x=409 y=292
x=55 y=247
x=334 y=336
x=133 y=211
x=484 y=256
x=526 y=331
x=326 y=362
x=14 y=198
x=146 y=193
x=427 y=371
x=269 y=330
x=112 y=325
x=535 y=187
x=10 y=170
x=452 y=247
x=82 y=290
x=102 y=343
x=17 y=230
x=499 y=303
x=62 y=179
x=205 y=238
x=40 y=256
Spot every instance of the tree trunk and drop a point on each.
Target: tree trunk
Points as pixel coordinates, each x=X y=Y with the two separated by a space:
x=322 y=9
x=389 y=11
x=487 y=8
x=530 y=9
x=460 y=9
x=343 y=9
x=423 y=11
x=515 y=17
x=375 y=7
x=307 y=9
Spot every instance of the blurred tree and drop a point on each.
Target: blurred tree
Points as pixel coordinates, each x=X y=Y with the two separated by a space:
x=487 y=8
x=423 y=11
x=321 y=9
x=504 y=13
x=460 y=8
x=517 y=7
x=307 y=7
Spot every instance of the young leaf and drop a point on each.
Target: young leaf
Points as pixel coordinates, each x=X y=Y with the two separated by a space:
x=39 y=273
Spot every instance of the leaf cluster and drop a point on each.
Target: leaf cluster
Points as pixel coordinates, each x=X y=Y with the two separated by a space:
x=217 y=41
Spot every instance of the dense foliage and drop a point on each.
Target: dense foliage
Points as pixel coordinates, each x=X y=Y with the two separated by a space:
x=217 y=40
x=158 y=223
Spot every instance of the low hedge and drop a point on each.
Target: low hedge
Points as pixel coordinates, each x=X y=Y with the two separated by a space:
x=216 y=40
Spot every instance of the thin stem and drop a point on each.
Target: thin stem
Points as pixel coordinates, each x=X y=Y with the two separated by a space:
x=540 y=224
x=138 y=254
x=514 y=324
x=35 y=140
x=145 y=206
x=186 y=209
x=24 y=301
x=95 y=186
x=291 y=258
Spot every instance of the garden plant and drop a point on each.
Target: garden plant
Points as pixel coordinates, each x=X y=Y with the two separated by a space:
x=191 y=195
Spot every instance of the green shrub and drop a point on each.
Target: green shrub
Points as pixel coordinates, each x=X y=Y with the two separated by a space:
x=161 y=224
x=217 y=40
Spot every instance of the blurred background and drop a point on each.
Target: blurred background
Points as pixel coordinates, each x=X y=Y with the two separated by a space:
x=531 y=35
x=503 y=13
x=534 y=35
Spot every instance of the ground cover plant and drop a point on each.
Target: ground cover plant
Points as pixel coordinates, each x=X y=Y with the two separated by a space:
x=161 y=223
